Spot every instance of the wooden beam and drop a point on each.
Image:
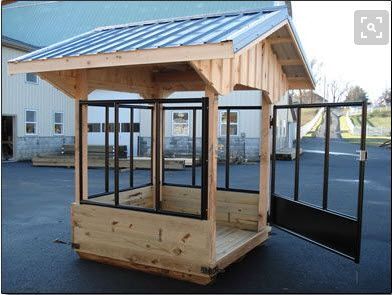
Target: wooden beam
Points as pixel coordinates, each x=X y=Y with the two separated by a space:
x=136 y=57
x=176 y=76
x=81 y=94
x=290 y=62
x=280 y=40
x=67 y=85
x=212 y=164
x=300 y=53
x=299 y=84
x=265 y=152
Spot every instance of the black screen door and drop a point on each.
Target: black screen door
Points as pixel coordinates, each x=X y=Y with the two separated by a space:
x=324 y=148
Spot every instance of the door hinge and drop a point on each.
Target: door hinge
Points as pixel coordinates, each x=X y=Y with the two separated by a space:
x=362 y=155
x=271 y=122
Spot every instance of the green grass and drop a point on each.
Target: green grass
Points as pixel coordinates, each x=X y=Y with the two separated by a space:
x=376 y=118
x=370 y=140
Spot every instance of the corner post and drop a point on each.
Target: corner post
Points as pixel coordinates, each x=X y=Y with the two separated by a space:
x=81 y=95
x=265 y=160
x=157 y=146
x=212 y=163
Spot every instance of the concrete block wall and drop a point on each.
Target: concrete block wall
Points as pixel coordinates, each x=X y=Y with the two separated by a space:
x=30 y=146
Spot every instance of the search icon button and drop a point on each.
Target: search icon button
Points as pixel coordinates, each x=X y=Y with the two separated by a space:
x=371 y=27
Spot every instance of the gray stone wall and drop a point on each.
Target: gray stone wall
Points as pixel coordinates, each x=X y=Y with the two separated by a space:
x=30 y=146
x=241 y=149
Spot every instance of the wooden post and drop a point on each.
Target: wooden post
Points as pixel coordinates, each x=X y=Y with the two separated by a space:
x=212 y=163
x=81 y=94
x=265 y=156
x=157 y=115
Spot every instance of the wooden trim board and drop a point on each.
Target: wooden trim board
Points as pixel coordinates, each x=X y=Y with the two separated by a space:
x=136 y=57
x=198 y=279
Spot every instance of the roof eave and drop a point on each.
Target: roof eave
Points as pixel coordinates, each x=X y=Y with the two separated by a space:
x=135 y=57
x=301 y=51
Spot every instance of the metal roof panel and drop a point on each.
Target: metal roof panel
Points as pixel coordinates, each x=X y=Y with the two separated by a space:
x=239 y=27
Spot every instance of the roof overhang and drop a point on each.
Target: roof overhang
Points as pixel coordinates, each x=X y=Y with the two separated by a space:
x=278 y=31
x=126 y=58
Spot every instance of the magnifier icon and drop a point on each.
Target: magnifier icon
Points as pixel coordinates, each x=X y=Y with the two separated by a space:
x=371 y=27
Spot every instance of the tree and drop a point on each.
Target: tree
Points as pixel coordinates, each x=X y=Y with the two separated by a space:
x=385 y=97
x=356 y=93
x=337 y=90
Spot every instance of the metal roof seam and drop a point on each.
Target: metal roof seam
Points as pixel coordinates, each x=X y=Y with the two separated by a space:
x=192 y=17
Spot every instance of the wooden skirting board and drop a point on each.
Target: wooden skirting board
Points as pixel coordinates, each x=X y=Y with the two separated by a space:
x=94 y=162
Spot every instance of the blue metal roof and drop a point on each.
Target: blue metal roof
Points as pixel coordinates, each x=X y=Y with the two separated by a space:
x=42 y=23
x=239 y=27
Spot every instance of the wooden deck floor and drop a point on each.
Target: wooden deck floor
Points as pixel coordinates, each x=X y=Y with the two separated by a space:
x=232 y=243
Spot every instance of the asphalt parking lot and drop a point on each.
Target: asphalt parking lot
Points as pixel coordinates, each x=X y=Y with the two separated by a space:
x=35 y=212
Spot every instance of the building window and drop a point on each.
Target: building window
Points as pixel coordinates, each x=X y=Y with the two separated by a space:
x=94 y=127
x=180 y=125
x=31 y=122
x=125 y=127
x=111 y=127
x=31 y=78
x=233 y=123
x=58 y=123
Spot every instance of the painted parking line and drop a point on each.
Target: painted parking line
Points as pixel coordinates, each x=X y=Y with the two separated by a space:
x=331 y=153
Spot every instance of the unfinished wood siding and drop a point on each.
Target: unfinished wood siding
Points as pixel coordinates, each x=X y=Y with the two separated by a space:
x=232 y=208
x=19 y=95
x=256 y=67
x=168 y=242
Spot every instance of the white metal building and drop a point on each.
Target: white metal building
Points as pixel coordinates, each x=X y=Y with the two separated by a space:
x=36 y=117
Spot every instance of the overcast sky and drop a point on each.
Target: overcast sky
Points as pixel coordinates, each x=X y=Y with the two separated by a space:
x=326 y=31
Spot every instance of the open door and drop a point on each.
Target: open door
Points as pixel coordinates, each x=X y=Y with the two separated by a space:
x=318 y=193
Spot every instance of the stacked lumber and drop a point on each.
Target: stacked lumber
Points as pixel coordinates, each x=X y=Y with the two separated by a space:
x=99 y=162
x=98 y=150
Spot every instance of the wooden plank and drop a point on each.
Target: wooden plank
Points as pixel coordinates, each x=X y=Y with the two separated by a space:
x=236 y=209
x=81 y=94
x=212 y=164
x=290 y=62
x=67 y=85
x=239 y=247
x=280 y=40
x=265 y=152
x=98 y=162
x=168 y=242
x=259 y=69
x=252 y=66
x=141 y=197
x=198 y=279
x=136 y=57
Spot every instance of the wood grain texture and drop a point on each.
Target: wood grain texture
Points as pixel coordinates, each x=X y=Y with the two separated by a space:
x=168 y=242
x=239 y=210
x=198 y=279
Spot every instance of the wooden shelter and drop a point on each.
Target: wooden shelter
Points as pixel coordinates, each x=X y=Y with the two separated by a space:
x=143 y=229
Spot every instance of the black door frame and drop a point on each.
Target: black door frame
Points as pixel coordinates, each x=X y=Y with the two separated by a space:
x=334 y=231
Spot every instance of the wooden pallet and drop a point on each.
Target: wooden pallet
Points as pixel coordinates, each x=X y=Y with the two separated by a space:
x=286 y=154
